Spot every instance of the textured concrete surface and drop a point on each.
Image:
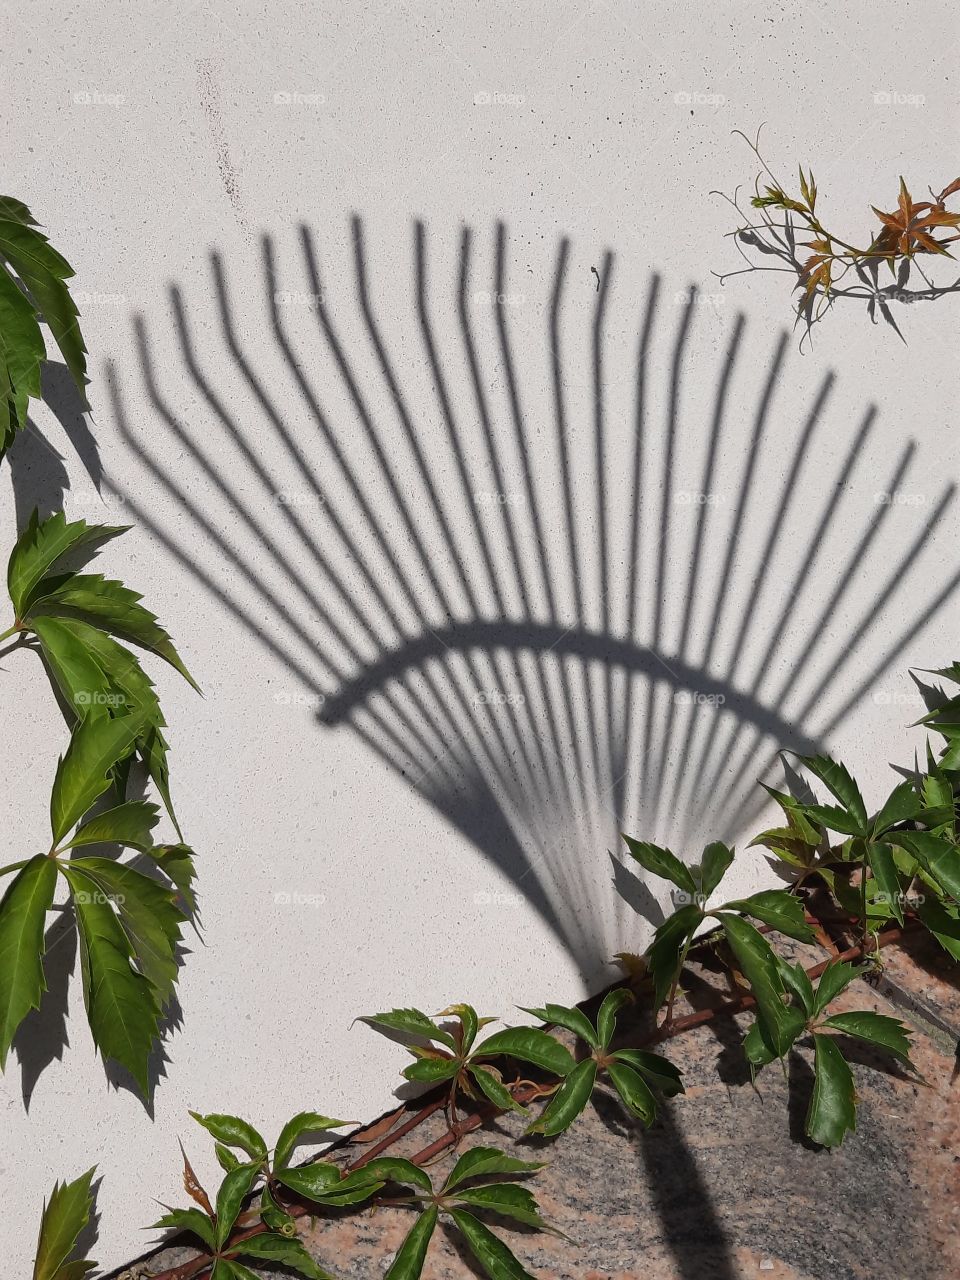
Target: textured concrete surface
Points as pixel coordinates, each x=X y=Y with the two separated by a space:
x=725 y=1186
x=357 y=474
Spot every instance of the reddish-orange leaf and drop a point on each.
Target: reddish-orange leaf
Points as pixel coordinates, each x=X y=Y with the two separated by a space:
x=191 y=1184
x=888 y=219
x=938 y=218
x=931 y=245
x=948 y=191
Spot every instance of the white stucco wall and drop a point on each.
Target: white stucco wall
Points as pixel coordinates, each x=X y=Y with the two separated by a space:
x=353 y=866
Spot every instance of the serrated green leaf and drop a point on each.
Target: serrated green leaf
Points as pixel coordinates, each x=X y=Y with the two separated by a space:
x=838 y=781
x=755 y=959
x=902 y=805
x=486 y=1162
x=469 y=1023
x=568 y=1102
x=110 y=605
x=234 y=1132
x=176 y=863
x=634 y=1091
x=273 y=1216
x=884 y=868
x=431 y=1070
x=226 y=1158
x=408 y=1264
x=938 y=857
x=507 y=1200
x=44 y=272
x=231 y=1269
x=234 y=1188
x=494 y=1089
x=716 y=859
x=835 y=978
x=283 y=1249
x=797 y=982
x=122 y=1005
x=574 y=1020
x=42 y=544
x=388 y=1169
x=877 y=1028
x=943 y=921
x=65 y=1215
x=833 y=1107
x=311 y=1180
x=132 y=689
x=83 y=774
x=612 y=1003
x=658 y=1071
x=491 y=1253
x=410 y=1022
x=191 y=1220
x=82 y=683
x=22 y=352
x=23 y=912
x=529 y=1044
x=663 y=956
x=298 y=1127
x=834 y=818
x=775 y=907
x=758 y=1053
x=128 y=824
x=148 y=915
x=662 y=863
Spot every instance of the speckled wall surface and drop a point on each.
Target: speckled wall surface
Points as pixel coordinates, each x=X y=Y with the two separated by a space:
x=489 y=521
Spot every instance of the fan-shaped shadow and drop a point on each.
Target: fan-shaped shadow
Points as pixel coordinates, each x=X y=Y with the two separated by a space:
x=524 y=590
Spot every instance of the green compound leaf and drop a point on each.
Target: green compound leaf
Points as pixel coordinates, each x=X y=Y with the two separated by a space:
x=410 y=1023
x=571 y=1019
x=23 y=912
x=234 y=1132
x=837 y=779
x=529 y=1044
x=65 y=1215
x=779 y=1025
x=289 y=1252
x=613 y=1002
x=781 y=910
x=408 y=1264
x=297 y=1128
x=833 y=1109
x=662 y=863
x=122 y=1005
x=492 y=1254
x=233 y=1190
x=568 y=1102
x=41 y=546
x=485 y=1162
x=634 y=1091
x=875 y=1028
x=84 y=771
